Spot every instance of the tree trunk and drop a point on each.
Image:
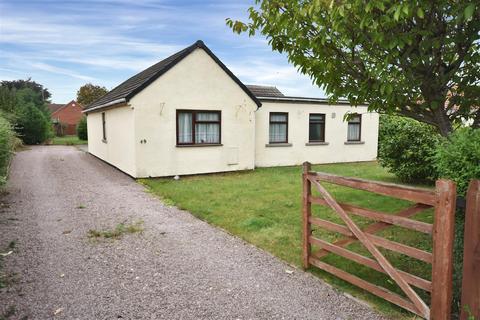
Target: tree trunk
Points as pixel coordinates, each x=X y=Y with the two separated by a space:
x=438 y=97
x=443 y=123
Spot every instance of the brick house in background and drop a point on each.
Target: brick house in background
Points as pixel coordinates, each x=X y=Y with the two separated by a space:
x=65 y=117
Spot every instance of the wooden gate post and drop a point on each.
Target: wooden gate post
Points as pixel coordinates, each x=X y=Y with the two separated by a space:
x=307 y=212
x=470 y=304
x=443 y=235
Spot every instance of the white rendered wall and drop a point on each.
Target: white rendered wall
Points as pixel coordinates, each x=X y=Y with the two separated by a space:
x=335 y=135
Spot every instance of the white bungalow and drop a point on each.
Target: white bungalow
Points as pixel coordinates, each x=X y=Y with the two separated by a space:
x=189 y=114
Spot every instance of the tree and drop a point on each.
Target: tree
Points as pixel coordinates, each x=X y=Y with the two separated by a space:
x=32 y=119
x=8 y=101
x=32 y=125
x=44 y=94
x=27 y=95
x=88 y=93
x=419 y=59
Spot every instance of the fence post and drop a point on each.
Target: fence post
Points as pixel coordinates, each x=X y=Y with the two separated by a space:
x=443 y=235
x=470 y=304
x=306 y=213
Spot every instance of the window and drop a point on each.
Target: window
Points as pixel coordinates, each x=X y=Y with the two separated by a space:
x=198 y=127
x=104 y=129
x=278 y=127
x=354 y=128
x=316 y=127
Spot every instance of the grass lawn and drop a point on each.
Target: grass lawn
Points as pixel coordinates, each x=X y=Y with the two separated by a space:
x=264 y=208
x=67 y=140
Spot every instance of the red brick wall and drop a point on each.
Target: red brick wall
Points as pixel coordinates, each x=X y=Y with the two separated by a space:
x=69 y=115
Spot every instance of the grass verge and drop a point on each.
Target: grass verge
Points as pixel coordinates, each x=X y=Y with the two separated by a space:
x=263 y=207
x=67 y=141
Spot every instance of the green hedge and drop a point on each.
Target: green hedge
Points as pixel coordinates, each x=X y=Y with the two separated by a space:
x=7 y=144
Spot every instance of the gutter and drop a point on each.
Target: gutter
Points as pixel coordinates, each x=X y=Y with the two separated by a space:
x=301 y=99
x=108 y=104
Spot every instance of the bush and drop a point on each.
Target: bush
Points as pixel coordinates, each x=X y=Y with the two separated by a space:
x=406 y=148
x=82 y=129
x=7 y=144
x=458 y=158
x=32 y=125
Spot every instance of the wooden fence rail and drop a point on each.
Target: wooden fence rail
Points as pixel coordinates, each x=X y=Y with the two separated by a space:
x=470 y=302
x=442 y=231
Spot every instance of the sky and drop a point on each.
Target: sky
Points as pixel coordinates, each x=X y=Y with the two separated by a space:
x=67 y=43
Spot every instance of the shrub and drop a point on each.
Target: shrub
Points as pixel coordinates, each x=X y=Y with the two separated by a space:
x=7 y=144
x=406 y=148
x=458 y=158
x=32 y=125
x=82 y=129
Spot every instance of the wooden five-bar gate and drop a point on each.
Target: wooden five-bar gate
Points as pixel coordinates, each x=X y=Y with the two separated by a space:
x=442 y=199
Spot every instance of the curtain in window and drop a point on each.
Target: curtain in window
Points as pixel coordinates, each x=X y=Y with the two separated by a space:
x=207 y=133
x=278 y=132
x=353 y=132
x=207 y=116
x=185 y=128
x=278 y=117
x=278 y=128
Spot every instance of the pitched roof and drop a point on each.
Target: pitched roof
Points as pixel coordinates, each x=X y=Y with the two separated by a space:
x=54 y=106
x=126 y=90
x=72 y=103
x=264 y=91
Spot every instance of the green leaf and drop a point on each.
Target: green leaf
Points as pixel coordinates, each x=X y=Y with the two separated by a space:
x=396 y=15
x=468 y=13
x=420 y=13
x=389 y=88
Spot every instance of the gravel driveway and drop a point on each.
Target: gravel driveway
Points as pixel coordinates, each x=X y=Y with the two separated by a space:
x=178 y=268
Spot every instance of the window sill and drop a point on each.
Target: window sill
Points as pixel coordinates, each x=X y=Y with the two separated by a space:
x=270 y=145
x=104 y=141
x=199 y=145
x=317 y=143
x=354 y=142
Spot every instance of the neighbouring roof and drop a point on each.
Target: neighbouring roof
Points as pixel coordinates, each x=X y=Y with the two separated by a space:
x=128 y=89
x=272 y=94
x=264 y=91
x=54 y=109
x=55 y=106
x=288 y=99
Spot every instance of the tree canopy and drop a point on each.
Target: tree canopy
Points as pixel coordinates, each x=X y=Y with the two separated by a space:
x=44 y=94
x=89 y=92
x=419 y=59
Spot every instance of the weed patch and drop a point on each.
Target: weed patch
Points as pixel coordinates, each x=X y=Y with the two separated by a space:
x=117 y=232
x=10 y=312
